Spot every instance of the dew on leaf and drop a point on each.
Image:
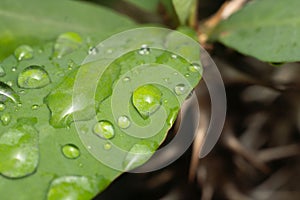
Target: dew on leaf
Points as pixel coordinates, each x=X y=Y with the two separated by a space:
x=9 y=83
x=104 y=129
x=126 y=79
x=23 y=52
x=107 y=146
x=93 y=51
x=13 y=69
x=2 y=106
x=6 y=92
x=123 y=122
x=70 y=151
x=66 y=43
x=33 y=77
x=195 y=68
x=147 y=99
x=180 y=89
x=34 y=107
x=144 y=50
x=19 y=151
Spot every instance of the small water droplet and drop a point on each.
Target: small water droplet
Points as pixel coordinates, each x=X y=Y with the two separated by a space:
x=71 y=64
x=107 y=146
x=147 y=99
x=126 y=79
x=174 y=56
x=109 y=51
x=34 y=107
x=22 y=92
x=13 y=69
x=180 y=89
x=2 y=106
x=2 y=71
x=7 y=92
x=123 y=122
x=175 y=73
x=144 y=50
x=166 y=80
x=19 y=104
x=104 y=129
x=23 y=52
x=93 y=51
x=195 y=68
x=5 y=119
x=187 y=75
x=70 y=151
x=33 y=77
x=66 y=43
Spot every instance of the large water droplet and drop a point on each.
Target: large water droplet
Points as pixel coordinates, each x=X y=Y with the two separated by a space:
x=23 y=52
x=147 y=99
x=180 y=89
x=70 y=151
x=104 y=129
x=2 y=71
x=123 y=122
x=33 y=77
x=66 y=43
x=138 y=154
x=75 y=187
x=5 y=119
x=6 y=92
x=19 y=151
x=144 y=50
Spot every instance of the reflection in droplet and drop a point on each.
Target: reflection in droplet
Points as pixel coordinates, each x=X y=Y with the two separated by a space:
x=23 y=52
x=147 y=99
x=13 y=69
x=33 y=77
x=70 y=151
x=34 y=107
x=2 y=106
x=107 y=146
x=195 y=68
x=104 y=129
x=93 y=51
x=126 y=79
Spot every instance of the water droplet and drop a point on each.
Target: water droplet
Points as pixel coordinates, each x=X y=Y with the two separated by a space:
x=174 y=56
x=2 y=106
x=5 y=119
x=138 y=154
x=175 y=73
x=75 y=187
x=107 y=146
x=23 y=52
x=144 y=50
x=126 y=79
x=187 y=75
x=123 y=122
x=19 y=151
x=109 y=51
x=19 y=104
x=34 y=107
x=147 y=99
x=22 y=92
x=195 y=68
x=66 y=43
x=2 y=71
x=13 y=69
x=104 y=129
x=180 y=89
x=166 y=80
x=71 y=64
x=70 y=151
x=93 y=51
x=33 y=77
x=7 y=92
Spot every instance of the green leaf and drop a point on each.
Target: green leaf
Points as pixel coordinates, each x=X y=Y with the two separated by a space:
x=35 y=21
x=265 y=29
x=42 y=120
x=183 y=9
x=151 y=6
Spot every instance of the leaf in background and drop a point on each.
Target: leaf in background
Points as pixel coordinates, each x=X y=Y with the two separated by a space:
x=35 y=21
x=150 y=6
x=36 y=98
x=183 y=9
x=266 y=29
